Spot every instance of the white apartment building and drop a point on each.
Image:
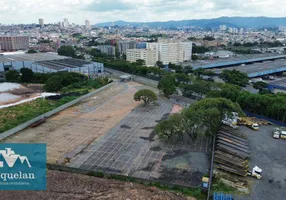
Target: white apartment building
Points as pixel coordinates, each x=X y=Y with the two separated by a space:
x=222 y=27
x=41 y=22
x=148 y=55
x=170 y=51
x=66 y=23
x=87 y=25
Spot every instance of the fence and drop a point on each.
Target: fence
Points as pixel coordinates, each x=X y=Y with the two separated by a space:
x=116 y=176
x=50 y=113
x=211 y=168
x=265 y=118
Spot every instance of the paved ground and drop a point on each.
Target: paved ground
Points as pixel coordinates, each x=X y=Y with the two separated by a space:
x=110 y=132
x=280 y=81
x=73 y=129
x=269 y=154
x=132 y=149
x=67 y=186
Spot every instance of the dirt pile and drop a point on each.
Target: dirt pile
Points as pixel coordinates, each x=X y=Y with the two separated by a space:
x=63 y=185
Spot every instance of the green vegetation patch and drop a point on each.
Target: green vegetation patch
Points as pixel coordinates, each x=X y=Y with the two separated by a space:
x=13 y=116
x=219 y=186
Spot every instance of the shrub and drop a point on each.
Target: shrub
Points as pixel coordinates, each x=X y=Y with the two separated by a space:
x=27 y=75
x=12 y=76
x=53 y=84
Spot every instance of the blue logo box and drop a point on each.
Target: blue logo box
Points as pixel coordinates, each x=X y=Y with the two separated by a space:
x=22 y=166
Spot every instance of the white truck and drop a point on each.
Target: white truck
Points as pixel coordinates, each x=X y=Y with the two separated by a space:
x=278 y=133
x=256 y=172
x=283 y=135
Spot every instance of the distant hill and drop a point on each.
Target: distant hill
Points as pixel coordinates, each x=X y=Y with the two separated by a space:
x=244 y=22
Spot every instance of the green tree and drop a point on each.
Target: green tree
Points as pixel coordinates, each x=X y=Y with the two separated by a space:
x=170 y=129
x=209 y=38
x=209 y=73
x=12 y=76
x=145 y=95
x=182 y=78
x=198 y=72
x=140 y=62
x=167 y=85
x=54 y=84
x=205 y=115
x=194 y=57
x=208 y=113
x=200 y=87
x=234 y=77
x=32 y=51
x=66 y=51
x=97 y=53
x=27 y=75
x=200 y=49
x=259 y=85
x=159 y=64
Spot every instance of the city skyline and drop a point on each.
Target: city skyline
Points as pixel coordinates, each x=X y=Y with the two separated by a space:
x=26 y=12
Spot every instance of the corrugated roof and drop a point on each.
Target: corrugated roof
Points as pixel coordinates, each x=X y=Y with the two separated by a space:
x=29 y=57
x=238 y=62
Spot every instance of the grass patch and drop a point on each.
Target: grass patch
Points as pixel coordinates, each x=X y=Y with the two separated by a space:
x=13 y=116
x=219 y=186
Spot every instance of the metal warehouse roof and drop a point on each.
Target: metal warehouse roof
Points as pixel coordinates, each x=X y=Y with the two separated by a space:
x=258 y=69
x=238 y=62
x=30 y=57
x=63 y=63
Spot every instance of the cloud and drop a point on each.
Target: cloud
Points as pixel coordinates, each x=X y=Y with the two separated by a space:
x=108 y=5
x=77 y=11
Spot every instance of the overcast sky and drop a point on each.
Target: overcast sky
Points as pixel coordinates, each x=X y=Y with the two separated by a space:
x=28 y=11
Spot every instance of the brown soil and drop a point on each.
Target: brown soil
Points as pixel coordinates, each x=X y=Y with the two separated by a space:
x=63 y=185
x=81 y=124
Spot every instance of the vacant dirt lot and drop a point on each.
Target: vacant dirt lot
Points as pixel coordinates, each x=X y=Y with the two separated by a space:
x=73 y=129
x=62 y=185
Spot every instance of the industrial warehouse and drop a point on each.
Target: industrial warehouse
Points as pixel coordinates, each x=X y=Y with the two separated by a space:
x=49 y=63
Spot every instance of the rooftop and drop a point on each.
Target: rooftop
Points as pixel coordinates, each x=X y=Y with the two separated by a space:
x=258 y=69
x=235 y=60
x=63 y=63
x=29 y=57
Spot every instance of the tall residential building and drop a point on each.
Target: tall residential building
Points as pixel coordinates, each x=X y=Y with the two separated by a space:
x=148 y=55
x=107 y=49
x=60 y=24
x=66 y=23
x=222 y=27
x=13 y=43
x=87 y=24
x=170 y=51
x=124 y=45
x=234 y=30
x=282 y=28
x=41 y=22
x=241 y=30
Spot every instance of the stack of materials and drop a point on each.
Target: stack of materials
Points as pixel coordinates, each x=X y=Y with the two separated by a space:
x=232 y=151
